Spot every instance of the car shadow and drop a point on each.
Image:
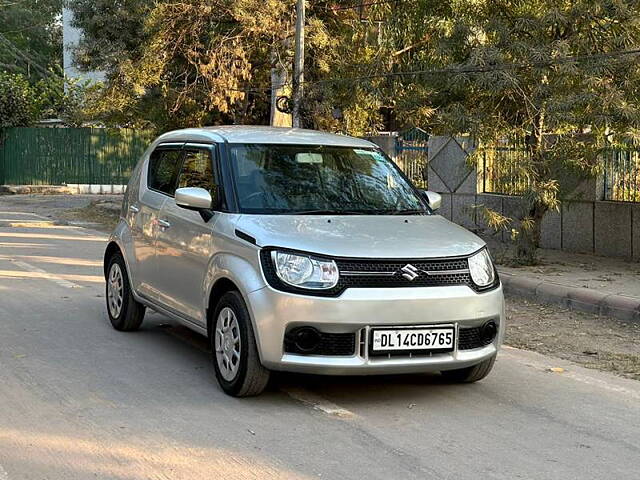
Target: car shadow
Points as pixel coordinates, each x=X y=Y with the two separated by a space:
x=370 y=386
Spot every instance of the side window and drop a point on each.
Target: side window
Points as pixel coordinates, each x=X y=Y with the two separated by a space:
x=163 y=170
x=197 y=170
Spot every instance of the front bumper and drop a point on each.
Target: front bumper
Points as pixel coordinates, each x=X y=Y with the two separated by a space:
x=357 y=310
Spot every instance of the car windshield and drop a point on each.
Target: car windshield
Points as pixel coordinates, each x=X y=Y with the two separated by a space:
x=309 y=179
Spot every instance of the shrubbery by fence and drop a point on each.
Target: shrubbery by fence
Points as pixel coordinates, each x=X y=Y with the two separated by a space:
x=58 y=156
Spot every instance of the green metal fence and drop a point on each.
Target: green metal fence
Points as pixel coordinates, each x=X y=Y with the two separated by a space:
x=57 y=156
x=622 y=173
x=411 y=154
x=503 y=169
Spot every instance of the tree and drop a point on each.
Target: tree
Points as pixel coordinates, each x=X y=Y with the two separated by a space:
x=191 y=63
x=30 y=37
x=18 y=101
x=562 y=75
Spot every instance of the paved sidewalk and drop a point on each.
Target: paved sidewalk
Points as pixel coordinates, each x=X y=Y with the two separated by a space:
x=601 y=285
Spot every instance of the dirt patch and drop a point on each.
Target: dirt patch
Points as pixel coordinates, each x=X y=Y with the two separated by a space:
x=101 y=215
x=590 y=340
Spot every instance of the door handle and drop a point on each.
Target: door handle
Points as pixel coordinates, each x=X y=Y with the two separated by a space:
x=164 y=223
x=133 y=209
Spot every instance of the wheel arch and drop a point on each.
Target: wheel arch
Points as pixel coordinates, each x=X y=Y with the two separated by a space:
x=218 y=289
x=111 y=249
x=114 y=247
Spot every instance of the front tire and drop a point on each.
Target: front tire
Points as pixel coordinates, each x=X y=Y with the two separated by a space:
x=125 y=313
x=234 y=350
x=470 y=374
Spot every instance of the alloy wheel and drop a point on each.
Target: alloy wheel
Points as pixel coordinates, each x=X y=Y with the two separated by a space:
x=227 y=344
x=115 y=290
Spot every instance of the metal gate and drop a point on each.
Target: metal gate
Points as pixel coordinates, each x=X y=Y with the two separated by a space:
x=411 y=155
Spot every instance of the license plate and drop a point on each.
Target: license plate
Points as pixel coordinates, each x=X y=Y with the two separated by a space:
x=423 y=339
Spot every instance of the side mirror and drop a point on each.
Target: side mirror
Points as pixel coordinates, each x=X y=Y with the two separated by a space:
x=433 y=199
x=194 y=198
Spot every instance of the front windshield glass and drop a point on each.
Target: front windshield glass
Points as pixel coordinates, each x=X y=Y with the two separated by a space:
x=308 y=179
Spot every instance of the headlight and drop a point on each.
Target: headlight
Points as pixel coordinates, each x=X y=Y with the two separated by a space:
x=481 y=269
x=304 y=271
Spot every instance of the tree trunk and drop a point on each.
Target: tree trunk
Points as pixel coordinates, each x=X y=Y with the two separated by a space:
x=528 y=240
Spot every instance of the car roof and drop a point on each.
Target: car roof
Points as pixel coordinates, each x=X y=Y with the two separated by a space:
x=265 y=135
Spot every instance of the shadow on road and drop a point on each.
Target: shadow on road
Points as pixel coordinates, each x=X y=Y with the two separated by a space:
x=387 y=387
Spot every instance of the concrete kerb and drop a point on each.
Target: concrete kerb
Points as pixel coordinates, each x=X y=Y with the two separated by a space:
x=576 y=298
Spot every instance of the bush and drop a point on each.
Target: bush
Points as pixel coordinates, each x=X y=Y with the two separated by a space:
x=18 y=101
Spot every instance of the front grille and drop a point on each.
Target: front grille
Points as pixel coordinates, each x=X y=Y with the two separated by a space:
x=389 y=274
x=334 y=344
x=382 y=273
x=469 y=338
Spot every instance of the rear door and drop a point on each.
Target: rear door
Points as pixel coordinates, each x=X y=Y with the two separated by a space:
x=185 y=242
x=157 y=185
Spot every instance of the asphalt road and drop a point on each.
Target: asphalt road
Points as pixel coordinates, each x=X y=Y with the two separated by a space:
x=79 y=400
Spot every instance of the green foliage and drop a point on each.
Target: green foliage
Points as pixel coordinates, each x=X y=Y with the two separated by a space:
x=31 y=28
x=192 y=63
x=18 y=101
x=23 y=103
x=112 y=31
x=69 y=99
x=178 y=64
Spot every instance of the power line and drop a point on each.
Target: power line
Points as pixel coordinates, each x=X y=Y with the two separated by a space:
x=479 y=69
x=449 y=70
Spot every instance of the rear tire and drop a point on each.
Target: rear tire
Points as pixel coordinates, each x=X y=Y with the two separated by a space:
x=470 y=374
x=234 y=350
x=125 y=313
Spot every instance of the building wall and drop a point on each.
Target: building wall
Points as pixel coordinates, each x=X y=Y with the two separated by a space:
x=70 y=39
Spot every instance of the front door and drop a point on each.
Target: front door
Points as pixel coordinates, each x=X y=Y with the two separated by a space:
x=185 y=242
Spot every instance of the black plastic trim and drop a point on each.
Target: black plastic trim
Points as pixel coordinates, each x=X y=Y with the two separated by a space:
x=246 y=237
x=470 y=338
x=329 y=344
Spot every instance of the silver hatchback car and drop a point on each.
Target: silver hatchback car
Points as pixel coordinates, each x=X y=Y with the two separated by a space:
x=300 y=251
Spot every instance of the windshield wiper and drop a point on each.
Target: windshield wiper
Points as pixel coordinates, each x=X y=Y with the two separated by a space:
x=414 y=211
x=326 y=212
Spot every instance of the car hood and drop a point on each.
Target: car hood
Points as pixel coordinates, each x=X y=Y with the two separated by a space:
x=368 y=236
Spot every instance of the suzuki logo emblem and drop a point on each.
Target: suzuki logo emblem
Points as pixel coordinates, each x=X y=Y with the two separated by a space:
x=410 y=272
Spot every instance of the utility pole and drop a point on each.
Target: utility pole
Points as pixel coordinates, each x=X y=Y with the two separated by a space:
x=298 y=64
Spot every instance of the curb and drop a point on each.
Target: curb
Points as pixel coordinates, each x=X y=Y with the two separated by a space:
x=575 y=298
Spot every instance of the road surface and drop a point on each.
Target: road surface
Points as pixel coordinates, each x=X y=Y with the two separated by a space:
x=79 y=400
